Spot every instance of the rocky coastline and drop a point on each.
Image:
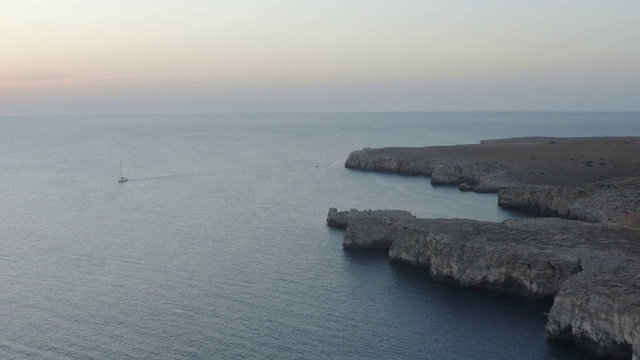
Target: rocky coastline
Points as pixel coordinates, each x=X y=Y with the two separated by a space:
x=588 y=262
x=495 y=164
x=610 y=201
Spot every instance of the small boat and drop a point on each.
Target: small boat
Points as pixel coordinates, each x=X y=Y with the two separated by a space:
x=121 y=179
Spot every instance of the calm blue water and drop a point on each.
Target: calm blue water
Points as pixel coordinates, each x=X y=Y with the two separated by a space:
x=217 y=248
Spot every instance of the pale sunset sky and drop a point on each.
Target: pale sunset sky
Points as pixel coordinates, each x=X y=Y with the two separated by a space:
x=133 y=56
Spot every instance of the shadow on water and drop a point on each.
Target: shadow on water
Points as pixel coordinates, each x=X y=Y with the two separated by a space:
x=480 y=305
x=377 y=257
x=420 y=278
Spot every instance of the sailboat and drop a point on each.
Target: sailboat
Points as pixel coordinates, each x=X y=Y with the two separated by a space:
x=122 y=179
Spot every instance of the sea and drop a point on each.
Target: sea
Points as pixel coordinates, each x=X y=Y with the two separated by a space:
x=217 y=247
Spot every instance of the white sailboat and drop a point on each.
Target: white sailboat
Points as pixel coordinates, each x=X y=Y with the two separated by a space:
x=121 y=179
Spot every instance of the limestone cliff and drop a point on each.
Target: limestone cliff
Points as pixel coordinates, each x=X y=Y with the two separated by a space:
x=366 y=229
x=591 y=270
x=486 y=176
x=600 y=311
x=596 y=290
x=494 y=164
x=611 y=201
x=475 y=253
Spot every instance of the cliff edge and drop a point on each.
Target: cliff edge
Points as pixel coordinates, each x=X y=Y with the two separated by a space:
x=610 y=201
x=589 y=267
x=494 y=164
x=590 y=270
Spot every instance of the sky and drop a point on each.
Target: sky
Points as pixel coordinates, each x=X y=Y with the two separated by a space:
x=157 y=56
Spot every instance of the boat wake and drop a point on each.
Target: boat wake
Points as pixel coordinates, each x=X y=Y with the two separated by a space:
x=166 y=177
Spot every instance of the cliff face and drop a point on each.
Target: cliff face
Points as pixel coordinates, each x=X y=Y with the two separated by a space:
x=546 y=201
x=591 y=270
x=600 y=311
x=485 y=176
x=595 y=289
x=611 y=201
x=474 y=253
x=366 y=229
x=339 y=219
x=494 y=164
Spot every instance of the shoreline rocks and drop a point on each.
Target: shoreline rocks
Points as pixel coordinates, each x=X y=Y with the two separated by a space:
x=592 y=271
x=478 y=254
x=611 y=201
x=595 y=289
x=494 y=164
x=366 y=229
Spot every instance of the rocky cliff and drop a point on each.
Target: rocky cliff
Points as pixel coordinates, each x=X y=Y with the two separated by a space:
x=498 y=256
x=596 y=290
x=366 y=229
x=591 y=270
x=494 y=164
x=611 y=201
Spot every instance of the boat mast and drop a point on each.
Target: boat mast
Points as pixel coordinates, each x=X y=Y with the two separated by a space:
x=120 y=173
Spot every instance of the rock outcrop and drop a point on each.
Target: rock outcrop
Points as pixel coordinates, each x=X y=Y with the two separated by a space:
x=612 y=201
x=497 y=256
x=339 y=219
x=600 y=311
x=366 y=229
x=591 y=270
x=494 y=164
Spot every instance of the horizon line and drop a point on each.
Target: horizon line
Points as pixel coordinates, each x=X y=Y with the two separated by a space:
x=328 y=112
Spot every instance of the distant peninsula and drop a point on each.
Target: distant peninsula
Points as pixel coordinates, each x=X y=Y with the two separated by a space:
x=585 y=253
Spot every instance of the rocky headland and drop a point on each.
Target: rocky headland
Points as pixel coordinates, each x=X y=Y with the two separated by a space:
x=592 y=271
x=590 y=267
x=366 y=229
x=494 y=164
x=611 y=201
